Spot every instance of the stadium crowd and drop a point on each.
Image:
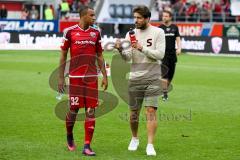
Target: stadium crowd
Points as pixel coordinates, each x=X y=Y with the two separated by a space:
x=32 y=11
x=197 y=10
x=3 y=11
x=183 y=10
x=72 y=6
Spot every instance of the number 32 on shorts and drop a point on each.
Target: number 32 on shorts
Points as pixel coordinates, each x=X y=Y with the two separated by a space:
x=74 y=100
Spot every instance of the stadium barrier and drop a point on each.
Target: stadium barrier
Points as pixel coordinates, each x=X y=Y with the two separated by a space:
x=29 y=25
x=214 y=45
x=52 y=41
x=185 y=29
x=47 y=35
x=30 y=41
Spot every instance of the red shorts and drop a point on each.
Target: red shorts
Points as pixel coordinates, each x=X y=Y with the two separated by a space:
x=83 y=92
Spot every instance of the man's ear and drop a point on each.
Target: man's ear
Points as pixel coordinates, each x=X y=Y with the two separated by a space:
x=148 y=19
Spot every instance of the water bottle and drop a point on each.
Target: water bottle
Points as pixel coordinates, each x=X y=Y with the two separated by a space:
x=132 y=36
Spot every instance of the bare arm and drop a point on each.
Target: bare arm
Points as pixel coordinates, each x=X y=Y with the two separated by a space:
x=62 y=64
x=179 y=46
x=101 y=64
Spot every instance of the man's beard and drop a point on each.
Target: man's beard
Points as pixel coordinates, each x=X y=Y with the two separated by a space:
x=166 y=21
x=142 y=27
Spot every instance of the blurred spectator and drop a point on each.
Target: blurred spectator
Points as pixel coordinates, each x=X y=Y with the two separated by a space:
x=217 y=12
x=44 y=8
x=75 y=5
x=206 y=5
x=227 y=10
x=205 y=12
x=3 y=11
x=70 y=3
x=70 y=6
x=24 y=13
x=223 y=2
x=192 y=12
x=162 y=5
x=59 y=11
x=53 y=11
x=84 y=2
x=64 y=8
x=34 y=14
x=179 y=9
x=48 y=12
x=91 y=3
x=238 y=18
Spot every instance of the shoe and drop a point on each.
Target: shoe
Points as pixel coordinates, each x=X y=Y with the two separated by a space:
x=165 y=97
x=133 y=145
x=70 y=143
x=150 y=150
x=87 y=151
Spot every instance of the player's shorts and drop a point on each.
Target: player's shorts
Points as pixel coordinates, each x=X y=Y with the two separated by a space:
x=168 y=67
x=83 y=92
x=144 y=91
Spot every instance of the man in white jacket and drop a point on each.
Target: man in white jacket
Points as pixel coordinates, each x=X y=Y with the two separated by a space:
x=144 y=81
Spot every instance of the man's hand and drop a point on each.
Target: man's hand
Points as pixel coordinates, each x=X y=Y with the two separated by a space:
x=137 y=46
x=61 y=85
x=178 y=51
x=104 y=84
x=118 y=45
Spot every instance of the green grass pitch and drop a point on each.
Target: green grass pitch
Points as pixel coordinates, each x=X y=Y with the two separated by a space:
x=201 y=120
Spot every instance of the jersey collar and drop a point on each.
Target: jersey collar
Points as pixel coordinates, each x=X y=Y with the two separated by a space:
x=83 y=29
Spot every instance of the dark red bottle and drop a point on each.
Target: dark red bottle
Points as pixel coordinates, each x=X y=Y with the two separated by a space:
x=132 y=36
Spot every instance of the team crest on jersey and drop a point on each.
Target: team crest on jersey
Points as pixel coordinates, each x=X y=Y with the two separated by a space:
x=93 y=34
x=168 y=29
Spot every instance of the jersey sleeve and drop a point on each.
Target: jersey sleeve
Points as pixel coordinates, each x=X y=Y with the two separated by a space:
x=66 y=40
x=177 y=32
x=99 y=48
x=127 y=52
